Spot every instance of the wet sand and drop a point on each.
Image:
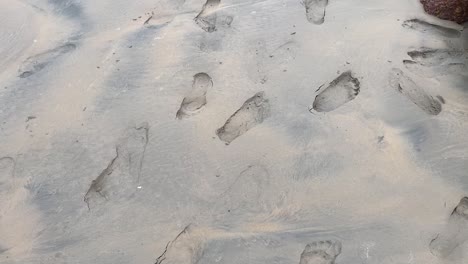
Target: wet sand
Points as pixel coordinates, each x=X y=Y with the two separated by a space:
x=192 y=131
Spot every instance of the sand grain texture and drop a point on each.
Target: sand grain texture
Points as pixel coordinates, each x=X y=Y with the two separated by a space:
x=345 y=121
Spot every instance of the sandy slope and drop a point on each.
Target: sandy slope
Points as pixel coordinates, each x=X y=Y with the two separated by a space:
x=98 y=169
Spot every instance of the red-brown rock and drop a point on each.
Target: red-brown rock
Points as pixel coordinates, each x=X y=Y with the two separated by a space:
x=453 y=10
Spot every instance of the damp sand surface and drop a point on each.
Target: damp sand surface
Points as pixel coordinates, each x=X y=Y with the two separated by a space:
x=230 y=131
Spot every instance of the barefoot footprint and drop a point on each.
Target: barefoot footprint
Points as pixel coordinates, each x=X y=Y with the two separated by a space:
x=120 y=178
x=196 y=99
x=455 y=233
x=342 y=90
x=38 y=62
x=186 y=248
x=428 y=28
x=207 y=17
x=438 y=57
x=321 y=252
x=431 y=63
x=406 y=86
x=253 y=112
x=315 y=10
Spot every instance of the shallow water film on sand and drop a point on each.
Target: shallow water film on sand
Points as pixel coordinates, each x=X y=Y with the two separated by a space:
x=232 y=131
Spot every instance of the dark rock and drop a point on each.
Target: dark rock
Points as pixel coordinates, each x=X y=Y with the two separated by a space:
x=453 y=10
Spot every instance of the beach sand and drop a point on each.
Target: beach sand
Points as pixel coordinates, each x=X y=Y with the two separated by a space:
x=185 y=131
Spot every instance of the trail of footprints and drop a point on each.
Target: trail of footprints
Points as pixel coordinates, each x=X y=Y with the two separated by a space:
x=189 y=246
x=253 y=112
x=428 y=63
x=124 y=168
x=256 y=109
x=207 y=19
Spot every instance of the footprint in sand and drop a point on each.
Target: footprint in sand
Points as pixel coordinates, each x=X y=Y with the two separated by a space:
x=339 y=92
x=253 y=112
x=315 y=10
x=321 y=252
x=431 y=63
x=428 y=28
x=436 y=57
x=207 y=17
x=435 y=71
x=132 y=148
x=455 y=233
x=248 y=192
x=118 y=181
x=407 y=87
x=196 y=99
x=38 y=62
x=99 y=186
x=186 y=248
